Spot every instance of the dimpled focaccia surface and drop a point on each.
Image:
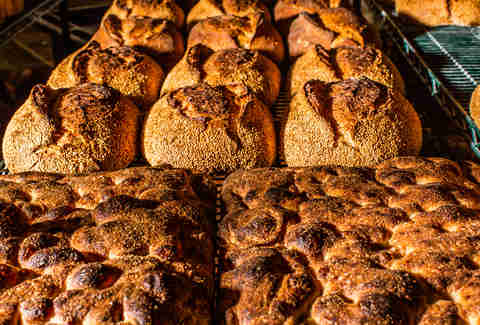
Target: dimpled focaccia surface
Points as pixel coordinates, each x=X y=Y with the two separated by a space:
x=395 y=244
x=131 y=247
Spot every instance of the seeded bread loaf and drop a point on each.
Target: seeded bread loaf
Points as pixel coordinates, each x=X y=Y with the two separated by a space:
x=77 y=130
x=133 y=74
x=133 y=246
x=396 y=244
x=211 y=129
x=353 y=122
x=226 y=67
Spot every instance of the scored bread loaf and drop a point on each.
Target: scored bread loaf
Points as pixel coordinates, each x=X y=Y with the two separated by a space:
x=343 y=63
x=440 y=12
x=353 y=122
x=133 y=246
x=226 y=67
x=329 y=28
x=210 y=8
x=475 y=106
x=77 y=130
x=252 y=32
x=156 y=9
x=396 y=244
x=158 y=38
x=132 y=73
x=214 y=129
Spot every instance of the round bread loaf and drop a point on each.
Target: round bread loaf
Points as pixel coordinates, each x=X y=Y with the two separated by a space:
x=330 y=28
x=214 y=129
x=226 y=67
x=158 y=38
x=343 y=63
x=475 y=106
x=252 y=32
x=79 y=130
x=440 y=12
x=210 y=8
x=157 y=9
x=134 y=74
x=353 y=122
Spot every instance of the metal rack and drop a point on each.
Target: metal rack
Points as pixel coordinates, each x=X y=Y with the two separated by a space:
x=444 y=60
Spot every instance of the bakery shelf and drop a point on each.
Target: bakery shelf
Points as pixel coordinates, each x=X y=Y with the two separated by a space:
x=445 y=59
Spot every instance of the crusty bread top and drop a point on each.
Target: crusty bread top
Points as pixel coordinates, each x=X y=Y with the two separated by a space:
x=396 y=244
x=475 y=106
x=133 y=246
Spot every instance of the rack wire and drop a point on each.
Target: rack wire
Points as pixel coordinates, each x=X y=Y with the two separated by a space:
x=445 y=61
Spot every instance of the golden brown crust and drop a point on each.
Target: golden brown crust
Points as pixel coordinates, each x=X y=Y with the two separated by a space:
x=330 y=28
x=210 y=8
x=343 y=63
x=157 y=38
x=226 y=68
x=440 y=12
x=475 y=106
x=156 y=9
x=251 y=32
x=209 y=129
x=354 y=122
x=394 y=244
x=133 y=74
x=83 y=129
x=135 y=248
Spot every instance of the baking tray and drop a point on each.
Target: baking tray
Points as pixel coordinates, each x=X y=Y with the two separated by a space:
x=445 y=59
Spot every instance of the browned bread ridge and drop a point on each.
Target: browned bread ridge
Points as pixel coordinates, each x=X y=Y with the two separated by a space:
x=133 y=247
x=440 y=12
x=343 y=63
x=157 y=38
x=226 y=67
x=77 y=130
x=353 y=122
x=132 y=73
x=475 y=106
x=156 y=9
x=214 y=129
x=251 y=32
x=210 y=8
x=330 y=28
x=396 y=244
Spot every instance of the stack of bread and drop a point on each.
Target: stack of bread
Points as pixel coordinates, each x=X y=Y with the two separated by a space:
x=350 y=237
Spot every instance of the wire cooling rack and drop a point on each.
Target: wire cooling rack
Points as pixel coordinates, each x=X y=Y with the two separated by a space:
x=446 y=60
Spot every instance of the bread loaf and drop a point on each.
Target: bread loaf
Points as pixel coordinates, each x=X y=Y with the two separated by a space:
x=132 y=73
x=353 y=122
x=396 y=244
x=156 y=9
x=343 y=63
x=215 y=129
x=226 y=67
x=157 y=38
x=475 y=106
x=210 y=8
x=440 y=12
x=330 y=28
x=251 y=32
x=78 y=130
x=133 y=246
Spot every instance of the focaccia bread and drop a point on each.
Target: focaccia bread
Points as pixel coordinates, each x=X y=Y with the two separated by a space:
x=157 y=9
x=128 y=247
x=396 y=244
x=158 y=38
x=210 y=129
x=226 y=67
x=83 y=129
x=132 y=73
x=210 y=8
x=251 y=32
